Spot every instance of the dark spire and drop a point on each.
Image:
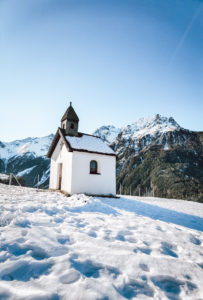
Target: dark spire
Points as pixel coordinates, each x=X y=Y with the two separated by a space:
x=70 y=114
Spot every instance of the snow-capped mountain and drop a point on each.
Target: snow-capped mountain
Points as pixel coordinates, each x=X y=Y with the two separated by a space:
x=107 y=133
x=27 y=158
x=36 y=146
x=149 y=128
x=155 y=130
x=155 y=155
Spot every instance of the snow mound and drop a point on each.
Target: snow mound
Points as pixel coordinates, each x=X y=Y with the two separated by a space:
x=80 y=247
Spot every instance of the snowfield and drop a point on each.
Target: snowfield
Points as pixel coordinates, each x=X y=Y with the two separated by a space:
x=53 y=247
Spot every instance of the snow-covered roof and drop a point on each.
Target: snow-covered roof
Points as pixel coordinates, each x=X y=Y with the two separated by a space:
x=89 y=143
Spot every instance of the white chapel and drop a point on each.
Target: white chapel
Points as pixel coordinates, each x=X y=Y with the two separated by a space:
x=80 y=163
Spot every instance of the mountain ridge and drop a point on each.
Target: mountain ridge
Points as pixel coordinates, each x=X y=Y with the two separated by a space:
x=146 y=149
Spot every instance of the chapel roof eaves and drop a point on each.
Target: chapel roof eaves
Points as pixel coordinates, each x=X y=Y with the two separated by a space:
x=61 y=133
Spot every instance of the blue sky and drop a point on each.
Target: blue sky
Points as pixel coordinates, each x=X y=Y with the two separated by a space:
x=116 y=60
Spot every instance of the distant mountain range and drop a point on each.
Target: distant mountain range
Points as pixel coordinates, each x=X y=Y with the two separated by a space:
x=27 y=158
x=156 y=156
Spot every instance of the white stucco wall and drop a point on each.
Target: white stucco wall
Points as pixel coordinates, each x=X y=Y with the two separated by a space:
x=54 y=168
x=84 y=182
x=61 y=155
x=76 y=177
x=66 y=159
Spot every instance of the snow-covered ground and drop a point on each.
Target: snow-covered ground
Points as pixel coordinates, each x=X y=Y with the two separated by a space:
x=4 y=176
x=187 y=207
x=54 y=247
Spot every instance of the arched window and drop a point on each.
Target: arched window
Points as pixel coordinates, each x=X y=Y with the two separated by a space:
x=72 y=126
x=93 y=167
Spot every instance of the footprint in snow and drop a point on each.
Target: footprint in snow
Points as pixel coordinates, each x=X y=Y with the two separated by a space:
x=133 y=288
x=3 y=258
x=35 y=251
x=80 y=225
x=92 y=269
x=50 y=212
x=65 y=239
x=23 y=232
x=87 y=268
x=195 y=240
x=22 y=222
x=24 y=271
x=159 y=228
x=171 y=286
x=144 y=267
x=39 y=253
x=200 y=265
x=58 y=251
x=143 y=250
x=107 y=235
x=131 y=240
x=92 y=234
x=20 y=240
x=166 y=249
x=70 y=277
x=120 y=237
x=58 y=220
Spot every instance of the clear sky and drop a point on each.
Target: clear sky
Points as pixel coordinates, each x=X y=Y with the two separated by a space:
x=116 y=60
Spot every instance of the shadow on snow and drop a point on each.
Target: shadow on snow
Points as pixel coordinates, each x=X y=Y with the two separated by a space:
x=155 y=212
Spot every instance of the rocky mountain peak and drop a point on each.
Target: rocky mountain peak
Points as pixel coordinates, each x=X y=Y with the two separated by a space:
x=156 y=122
x=107 y=133
x=153 y=126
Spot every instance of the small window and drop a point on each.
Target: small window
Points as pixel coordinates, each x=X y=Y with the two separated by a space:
x=72 y=126
x=63 y=126
x=93 y=167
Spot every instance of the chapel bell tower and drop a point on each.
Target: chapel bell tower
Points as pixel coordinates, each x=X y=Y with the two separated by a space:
x=69 y=121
